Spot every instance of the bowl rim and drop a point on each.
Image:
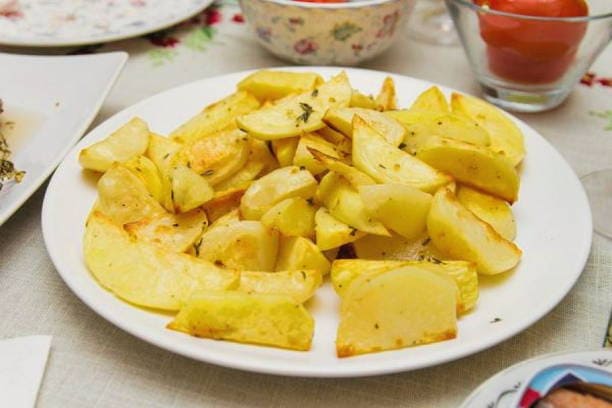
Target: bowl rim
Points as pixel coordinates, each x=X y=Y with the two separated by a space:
x=487 y=10
x=349 y=5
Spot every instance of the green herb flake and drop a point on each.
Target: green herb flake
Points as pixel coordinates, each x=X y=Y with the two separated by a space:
x=307 y=110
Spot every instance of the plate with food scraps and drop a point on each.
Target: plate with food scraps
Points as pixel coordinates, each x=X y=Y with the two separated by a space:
x=47 y=103
x=59 y=23
x=558 y=379
x=343 y=176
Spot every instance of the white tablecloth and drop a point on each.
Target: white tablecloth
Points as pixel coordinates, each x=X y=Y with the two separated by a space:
x=92 y=363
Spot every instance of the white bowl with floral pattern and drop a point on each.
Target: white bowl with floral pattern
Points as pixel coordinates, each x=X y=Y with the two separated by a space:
x=327 y=33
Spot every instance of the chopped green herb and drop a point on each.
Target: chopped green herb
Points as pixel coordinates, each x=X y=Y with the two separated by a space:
x=209 y=172
x=307 y=110
x=196 y=247
x=402 y=145
x=315 y=93
x=497 y=319
x=426 y=242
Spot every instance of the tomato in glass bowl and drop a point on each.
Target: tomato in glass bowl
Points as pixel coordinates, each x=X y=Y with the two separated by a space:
x=533 y=51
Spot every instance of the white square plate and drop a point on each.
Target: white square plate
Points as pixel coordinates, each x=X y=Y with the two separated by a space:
x=51 y=101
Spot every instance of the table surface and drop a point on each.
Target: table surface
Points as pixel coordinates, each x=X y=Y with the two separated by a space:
x=93 y=363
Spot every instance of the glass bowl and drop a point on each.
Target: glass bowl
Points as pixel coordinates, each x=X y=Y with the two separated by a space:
x=526 y=63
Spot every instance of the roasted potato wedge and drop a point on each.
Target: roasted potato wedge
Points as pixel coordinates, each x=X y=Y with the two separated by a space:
x=345 y=271
x=299 y=285
x=387 y=97
x=342 y=120
x=492 y=210
x=350 y=173
x=292 y=217
x=299 y=253
x=217 y=157
x=161 y=151
x=260 y=151
x=474 y=166
x=215 y=118
x=432 y=100
x=265 y=319
x=394 y=247
x=189 y=189
x=332 y=233
x=284 y=150
x=388 y=164
x=298 y=115
x=421 y=127
x=459 y=234
x=146 y=274
x=149 y=174
x=344 y=203
x=129 y=141
x=274 y=187
x=123 y=197
x=506 y=137
x=360 y=100
x=174 y=232
x=241 y=245
x=395 y=309
x=399 y=207
x=303 y=157
x=223 y=202
x=270 y=85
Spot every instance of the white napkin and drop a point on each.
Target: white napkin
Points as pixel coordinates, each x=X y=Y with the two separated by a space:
x=22 y=365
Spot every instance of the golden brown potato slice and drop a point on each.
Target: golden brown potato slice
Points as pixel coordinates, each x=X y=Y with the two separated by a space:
x=332 y=136
x=422 y=127
x=260 y=151
x=400 y=308
x=298 y=115
x=506 y=137
x=388 y=164
x=459 y=234
x=265 y=319
x=284 y=150
x=332 y=233
x=162 y=151
x=292 y=217
x=393 y=247
x=474 y=166
x=123 y=197
x=242 y=245
x=399 y=207
x=432 y=100
x=148 y=173
x=217 y=157
x=216 y=117
x=345 y=271
x=342 y=120
x=360 y=100
x=387 y=97
x=189 y=189
x=350 y=173
x=129 y=141
x=147 y=274
x=344 y=203
x=243 y=178
x=492 y=210
x=303 y=158
x=223 y=202
x=274 y=187
x=299 y=285
x=270 y=85
x=299 y=253
x=174 y=232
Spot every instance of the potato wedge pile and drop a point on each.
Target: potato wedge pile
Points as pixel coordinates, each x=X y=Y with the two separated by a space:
x=234 y=219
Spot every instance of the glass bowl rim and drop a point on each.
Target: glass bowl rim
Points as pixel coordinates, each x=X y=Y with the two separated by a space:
x=486 y=10
x=348 y=5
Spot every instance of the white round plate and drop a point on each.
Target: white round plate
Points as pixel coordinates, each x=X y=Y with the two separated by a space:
x=554 y=231
x=59 y=23
x=501 y=390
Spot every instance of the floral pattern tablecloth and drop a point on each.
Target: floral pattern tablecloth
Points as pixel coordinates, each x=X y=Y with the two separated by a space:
x=95 y=364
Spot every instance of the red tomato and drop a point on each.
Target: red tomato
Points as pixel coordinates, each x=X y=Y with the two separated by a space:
x=532 y=51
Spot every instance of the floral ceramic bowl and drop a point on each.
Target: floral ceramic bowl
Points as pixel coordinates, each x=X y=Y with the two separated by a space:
x=326 y=34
